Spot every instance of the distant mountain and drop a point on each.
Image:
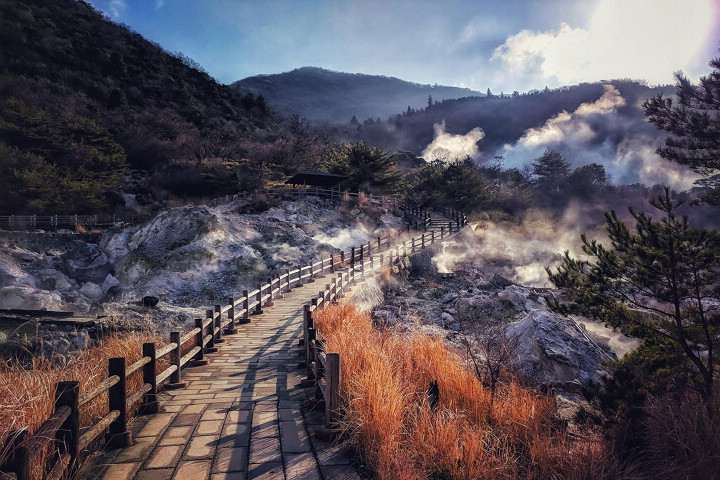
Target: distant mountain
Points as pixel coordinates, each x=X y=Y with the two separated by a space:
x=326 y=96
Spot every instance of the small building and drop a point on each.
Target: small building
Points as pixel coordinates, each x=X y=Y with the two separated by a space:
x=313 y=178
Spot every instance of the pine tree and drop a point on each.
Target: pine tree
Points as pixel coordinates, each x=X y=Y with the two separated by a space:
x=661 y=283
x=551 y=171
x=693 y=122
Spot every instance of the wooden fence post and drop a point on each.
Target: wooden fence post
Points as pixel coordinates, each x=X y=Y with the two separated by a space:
x=258 y=307
x=332 y=377
x=303 y=341
x=200 y=359
x=67 y=394
x=333 y=290
x=379 y=244
x=342 y=258
x=150 y=403
x=175 y=356
x=270 y=302
x=442 y=233
x=231 y=328
x=432 y=237
x=217 y=320
x=423 y=241
x=312 y=335
x=118 y=433
x=288 y=289
x=246 y=310
x=211 y=348
x=352 y=256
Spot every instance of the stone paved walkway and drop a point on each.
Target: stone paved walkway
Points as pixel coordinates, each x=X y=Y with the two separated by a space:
x=240 y=417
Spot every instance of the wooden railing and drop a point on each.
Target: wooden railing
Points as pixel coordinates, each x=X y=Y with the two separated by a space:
x=322 y=368
x=55 y=222
x=335 y=194
x=53 y=451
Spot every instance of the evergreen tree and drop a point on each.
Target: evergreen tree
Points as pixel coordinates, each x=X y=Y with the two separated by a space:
x=368 y=168
x=693 y=122
x=551 y=171
x=661 y=283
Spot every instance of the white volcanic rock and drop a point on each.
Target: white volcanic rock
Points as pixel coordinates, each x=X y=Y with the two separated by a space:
x=29 y=298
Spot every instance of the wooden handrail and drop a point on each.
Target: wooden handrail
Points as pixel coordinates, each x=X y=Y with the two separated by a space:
x=364 y=261
x=101 y=388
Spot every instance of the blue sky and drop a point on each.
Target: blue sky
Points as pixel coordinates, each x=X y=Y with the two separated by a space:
x=502 y=45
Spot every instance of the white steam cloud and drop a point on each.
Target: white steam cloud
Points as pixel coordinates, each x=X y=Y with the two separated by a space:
x=449 y=146
x=574 y=126
x=622 y=40
x=585 y=136
x=520 y=252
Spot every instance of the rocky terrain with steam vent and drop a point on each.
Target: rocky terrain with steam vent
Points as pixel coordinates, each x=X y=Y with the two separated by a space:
x=187 y=257
x=486 y=277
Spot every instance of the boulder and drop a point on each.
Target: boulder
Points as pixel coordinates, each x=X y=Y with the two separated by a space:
x=85 y=262
x=150 y=301
x=93 y=291
x=553 y=350
x=29 y=298
x=109 y=283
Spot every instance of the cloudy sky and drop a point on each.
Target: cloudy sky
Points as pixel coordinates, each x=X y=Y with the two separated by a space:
x=503 y=45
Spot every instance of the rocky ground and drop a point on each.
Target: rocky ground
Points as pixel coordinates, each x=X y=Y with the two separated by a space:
x=552 y=351
x=188 y=257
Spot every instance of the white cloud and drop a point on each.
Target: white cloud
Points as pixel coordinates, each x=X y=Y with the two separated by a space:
x=639 y=39
x=116 y=8
x=449 y=146
x=159 y=4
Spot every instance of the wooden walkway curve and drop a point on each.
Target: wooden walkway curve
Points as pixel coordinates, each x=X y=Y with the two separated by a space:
x=240 y=417
x=243 y=415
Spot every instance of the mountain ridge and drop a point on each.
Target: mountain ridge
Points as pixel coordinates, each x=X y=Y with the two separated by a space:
x=323 y=95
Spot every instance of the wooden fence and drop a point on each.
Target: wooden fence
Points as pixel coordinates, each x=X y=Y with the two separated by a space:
x=53 y=451
x=322 y=368
x=55 y=222
x=71 y=222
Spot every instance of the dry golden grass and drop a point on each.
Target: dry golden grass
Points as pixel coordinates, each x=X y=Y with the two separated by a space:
x=387 y=418
x=27 y=392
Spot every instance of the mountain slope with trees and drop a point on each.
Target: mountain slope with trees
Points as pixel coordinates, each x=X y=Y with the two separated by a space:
x=503 y=118
x=322 y=95
x=84 y=99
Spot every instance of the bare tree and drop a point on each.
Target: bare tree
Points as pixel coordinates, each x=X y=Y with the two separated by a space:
x=490 y=349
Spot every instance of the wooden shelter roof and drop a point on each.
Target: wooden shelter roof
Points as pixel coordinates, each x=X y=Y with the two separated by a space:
x=316 y=179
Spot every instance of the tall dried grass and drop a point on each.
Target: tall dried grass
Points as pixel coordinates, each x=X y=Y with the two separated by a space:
x=386 y=415
x=27 y=390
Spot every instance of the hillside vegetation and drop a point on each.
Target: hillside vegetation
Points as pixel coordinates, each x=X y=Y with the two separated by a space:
x=504 y=119
x=323 y=95
x=84 y=99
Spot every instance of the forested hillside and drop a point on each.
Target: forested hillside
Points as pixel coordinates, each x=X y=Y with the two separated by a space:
x=83 y=100
x=322 y=95
x=504 y=119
